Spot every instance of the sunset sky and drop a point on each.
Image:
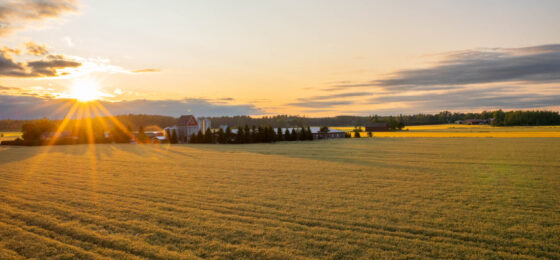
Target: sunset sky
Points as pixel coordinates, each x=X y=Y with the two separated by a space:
x=309 y=58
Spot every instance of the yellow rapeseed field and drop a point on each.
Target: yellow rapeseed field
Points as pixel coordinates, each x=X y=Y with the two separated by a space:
x=9 y=135
x=452 y=130
x=485 y=198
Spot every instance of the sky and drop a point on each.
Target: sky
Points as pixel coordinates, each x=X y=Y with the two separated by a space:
x=307 y=58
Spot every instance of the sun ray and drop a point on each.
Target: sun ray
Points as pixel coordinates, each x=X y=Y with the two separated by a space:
x=63 y=124
x=99 y=117
x=89 y=126
x=113 y=119
x=63 y=107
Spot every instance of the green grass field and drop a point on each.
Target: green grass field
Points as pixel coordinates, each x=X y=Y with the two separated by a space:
x=347 y=198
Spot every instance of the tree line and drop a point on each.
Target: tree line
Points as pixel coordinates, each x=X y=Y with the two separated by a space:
x=45 y=131
x=508 y=118
x=525 y=118
x=245 y=135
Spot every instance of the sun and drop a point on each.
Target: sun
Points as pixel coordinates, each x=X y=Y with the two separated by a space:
x=85 y=90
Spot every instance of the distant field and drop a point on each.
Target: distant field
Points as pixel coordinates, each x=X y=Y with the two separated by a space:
x=4 y=136
x=369 y=198
x=452 y=130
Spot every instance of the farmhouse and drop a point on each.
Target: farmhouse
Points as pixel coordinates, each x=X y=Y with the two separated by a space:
x=377 y=127
x=186 y=126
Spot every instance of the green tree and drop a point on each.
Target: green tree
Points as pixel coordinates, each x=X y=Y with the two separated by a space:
x=119 y=135
x=247 y=132
x=228 y=135
x=33 y=131
x=294 y=135
x=174 y=138
x=499 y=118
x=254 y=135
x=392 y=123
x=192 y=139
x=208 y=136
x=309 y=134
x=199 y=137
x=239 y=136
x=279 y=134
x=142 y=137
x=221 y=136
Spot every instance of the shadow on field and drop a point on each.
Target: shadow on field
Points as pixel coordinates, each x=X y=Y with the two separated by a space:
x=10 y=154
x=406 y=153
x=365 y=151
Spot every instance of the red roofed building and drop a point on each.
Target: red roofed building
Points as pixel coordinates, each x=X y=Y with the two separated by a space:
x=188 y=125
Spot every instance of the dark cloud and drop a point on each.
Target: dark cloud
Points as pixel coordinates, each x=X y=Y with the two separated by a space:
x=537 y=64
x=16 y=14
x=48 y=68
x=39 y=68
x=335 y=96
x=36 y=49
x=321 y=104
x=31 y=107
x=146 y=70
x=469 y=99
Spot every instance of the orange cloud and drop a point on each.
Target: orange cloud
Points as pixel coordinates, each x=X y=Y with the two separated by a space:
x=16 y=14
x=36 y=49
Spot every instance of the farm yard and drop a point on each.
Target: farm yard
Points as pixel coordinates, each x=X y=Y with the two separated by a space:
x=370 y=198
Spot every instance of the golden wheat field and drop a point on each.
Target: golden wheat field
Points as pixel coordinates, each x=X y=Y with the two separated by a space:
x=453 y=130
x=346 y=198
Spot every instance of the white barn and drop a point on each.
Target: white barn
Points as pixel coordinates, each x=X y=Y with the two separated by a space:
x=186 y=126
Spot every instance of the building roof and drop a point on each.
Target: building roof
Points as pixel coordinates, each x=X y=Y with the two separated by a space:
x=187 y=120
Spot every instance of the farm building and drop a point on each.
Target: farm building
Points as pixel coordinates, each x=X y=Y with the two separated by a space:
x=315 y=131
x=477 y=121
x=317 y=134
x=186 y=126
x=333 y=133
x=377 y=127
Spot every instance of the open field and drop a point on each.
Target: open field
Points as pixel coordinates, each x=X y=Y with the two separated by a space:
x=452 y=130
x=381 y=197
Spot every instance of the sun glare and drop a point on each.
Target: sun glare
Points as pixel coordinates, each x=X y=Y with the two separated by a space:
x=85 y=90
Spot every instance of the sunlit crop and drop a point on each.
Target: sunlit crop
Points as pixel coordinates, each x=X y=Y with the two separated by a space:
x=450 y=198
x=452 y=130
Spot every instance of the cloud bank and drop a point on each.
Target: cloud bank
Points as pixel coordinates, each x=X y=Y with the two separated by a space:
x=49 y=66
x=32 y=107
x=510 y=78
x=536 y=64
